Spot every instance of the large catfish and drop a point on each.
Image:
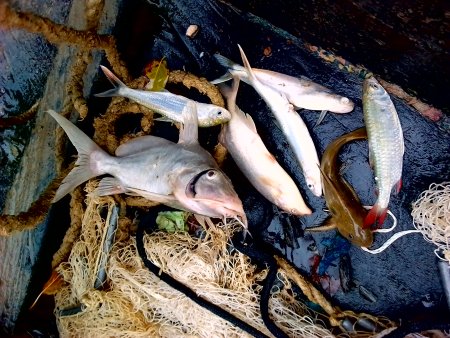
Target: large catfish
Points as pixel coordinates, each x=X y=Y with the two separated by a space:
x=182 y=175
x=347 y=213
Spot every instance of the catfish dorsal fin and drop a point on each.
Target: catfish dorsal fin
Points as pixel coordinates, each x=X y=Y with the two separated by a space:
x=325 y=176
x=189 y=127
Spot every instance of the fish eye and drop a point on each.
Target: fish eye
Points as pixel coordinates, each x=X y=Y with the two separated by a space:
x=374 y=86
x=211 y=174
x=310 y=186
x=350 y=236
x=219 y=113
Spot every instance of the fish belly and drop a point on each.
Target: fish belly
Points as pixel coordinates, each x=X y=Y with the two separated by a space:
x=152 y=170
x=256 y=162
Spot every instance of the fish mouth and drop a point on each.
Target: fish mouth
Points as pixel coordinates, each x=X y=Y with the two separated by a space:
x=222 y=209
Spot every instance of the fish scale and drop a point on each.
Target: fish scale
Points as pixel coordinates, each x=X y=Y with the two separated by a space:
x=386 y=145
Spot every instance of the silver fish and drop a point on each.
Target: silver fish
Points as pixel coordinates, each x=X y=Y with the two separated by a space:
x=182 y=175
x=386 y=146
x=301 y=92
x=292 y=125
x=165 y=103
x=260 y=167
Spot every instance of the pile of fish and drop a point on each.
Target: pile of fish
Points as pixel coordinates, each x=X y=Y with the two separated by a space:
x=183 y=175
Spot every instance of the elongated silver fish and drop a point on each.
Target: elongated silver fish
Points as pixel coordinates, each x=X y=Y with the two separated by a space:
x=182 y=175
x=300 y=92
x=241 y=139
x=292 y=126
x=386 y=146
x=165 y=103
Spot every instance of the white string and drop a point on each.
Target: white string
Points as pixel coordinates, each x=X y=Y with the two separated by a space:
x=390 y=240
x=394 y=220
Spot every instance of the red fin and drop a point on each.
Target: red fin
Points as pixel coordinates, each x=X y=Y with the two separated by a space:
x=398 y=186
x=375 y=217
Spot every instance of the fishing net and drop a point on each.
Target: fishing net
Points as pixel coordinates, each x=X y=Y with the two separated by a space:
x=133 y=302
x=431 y=215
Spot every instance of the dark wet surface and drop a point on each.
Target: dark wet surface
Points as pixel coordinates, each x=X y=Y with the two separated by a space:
x=25 y=61
x=400 y=278
x=403 y=41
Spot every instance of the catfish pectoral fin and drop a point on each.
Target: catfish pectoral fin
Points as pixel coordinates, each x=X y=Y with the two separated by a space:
x=321 y=117
x=327 y=225
x=168 y=200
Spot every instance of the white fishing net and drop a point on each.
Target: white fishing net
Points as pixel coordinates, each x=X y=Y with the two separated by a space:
x=134 y=302
x=431 y=215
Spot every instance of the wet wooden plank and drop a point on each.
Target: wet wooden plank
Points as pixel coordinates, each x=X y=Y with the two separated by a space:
x=20 y=252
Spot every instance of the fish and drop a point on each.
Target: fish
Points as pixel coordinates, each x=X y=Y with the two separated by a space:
x=347 y=213
x=300 y=92
x=291 y=125
x=181 y=175
x=386 y=147
x=166 y=103
x=241 y=139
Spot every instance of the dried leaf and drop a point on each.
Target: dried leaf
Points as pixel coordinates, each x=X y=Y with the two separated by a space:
x=158 y=74
x=53 y=284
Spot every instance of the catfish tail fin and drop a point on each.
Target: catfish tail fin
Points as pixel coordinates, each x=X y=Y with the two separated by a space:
x=227 y=63
x=86 y=166
x=248 y=68
x=224 y=78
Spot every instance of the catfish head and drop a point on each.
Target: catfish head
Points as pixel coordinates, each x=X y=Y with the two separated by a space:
x=209 y=192
x=352 y=229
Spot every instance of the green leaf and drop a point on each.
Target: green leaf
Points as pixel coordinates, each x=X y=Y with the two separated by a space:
x=172 y=221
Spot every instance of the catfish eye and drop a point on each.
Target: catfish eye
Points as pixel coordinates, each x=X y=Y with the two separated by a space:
x=211 y=174
x=219 y=113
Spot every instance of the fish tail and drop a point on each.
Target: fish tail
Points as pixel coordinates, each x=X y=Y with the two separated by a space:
x=224 y=78
x=115 y=81
x=86 y=166
x=230 y=93
x=248 y=68
x=375 y=217
x=227 y=63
